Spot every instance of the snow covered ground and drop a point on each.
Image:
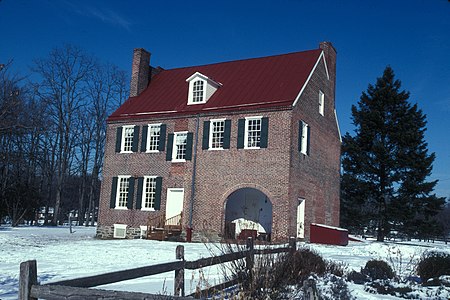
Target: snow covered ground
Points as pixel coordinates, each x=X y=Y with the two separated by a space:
x=61 y=255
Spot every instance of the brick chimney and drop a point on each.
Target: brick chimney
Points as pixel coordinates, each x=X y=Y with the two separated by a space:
x=330 y=57
x=140 y=71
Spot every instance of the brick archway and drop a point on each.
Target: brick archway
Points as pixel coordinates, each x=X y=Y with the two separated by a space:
x=247 y=212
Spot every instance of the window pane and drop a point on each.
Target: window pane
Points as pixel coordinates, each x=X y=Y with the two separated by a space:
x=153 y=137
x=149 y=192
x=253 y=133
x=180 y=145
x=128 y=133
x=122 y=194
x=197 y=90
x=217 y=133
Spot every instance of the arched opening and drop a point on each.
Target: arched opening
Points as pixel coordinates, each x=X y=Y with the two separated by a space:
x=248 y=212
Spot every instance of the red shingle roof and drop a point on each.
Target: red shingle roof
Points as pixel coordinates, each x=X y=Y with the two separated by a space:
x=273 y=81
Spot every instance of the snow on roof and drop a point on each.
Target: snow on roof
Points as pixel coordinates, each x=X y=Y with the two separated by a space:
x=330 y=227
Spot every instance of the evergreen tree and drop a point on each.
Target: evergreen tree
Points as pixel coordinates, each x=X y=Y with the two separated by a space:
x=386 y=164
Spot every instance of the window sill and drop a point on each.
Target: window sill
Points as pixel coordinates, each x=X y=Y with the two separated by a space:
x=194 y=103
x=250 y=148
x=126 y=152
x=121 y=208
x=216 y=149
x=178 y=160
x=148 y=209
x=152 y=151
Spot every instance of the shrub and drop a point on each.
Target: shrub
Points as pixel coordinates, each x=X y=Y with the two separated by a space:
x=433 y=264
x=357 y=277
x=303 y=263
x=385 y=287
x=334 y=288
x=336 y=268
x=378 y=269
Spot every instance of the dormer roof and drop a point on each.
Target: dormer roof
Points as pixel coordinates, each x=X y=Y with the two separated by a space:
x=201 y=88
x=257 y=83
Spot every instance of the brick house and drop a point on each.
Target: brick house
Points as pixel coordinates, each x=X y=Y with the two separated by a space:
x=247 y=147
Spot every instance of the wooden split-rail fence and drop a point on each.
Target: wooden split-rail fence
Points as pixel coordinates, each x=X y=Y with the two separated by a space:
x=80 y=288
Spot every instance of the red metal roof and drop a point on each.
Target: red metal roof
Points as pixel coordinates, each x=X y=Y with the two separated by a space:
x=273 y=81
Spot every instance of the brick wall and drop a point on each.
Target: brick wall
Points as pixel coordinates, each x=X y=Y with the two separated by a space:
x=219 y=173
x=315 y=177
x=280 y=171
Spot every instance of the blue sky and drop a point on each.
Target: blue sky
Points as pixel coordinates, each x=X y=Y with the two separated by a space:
x=413 y=37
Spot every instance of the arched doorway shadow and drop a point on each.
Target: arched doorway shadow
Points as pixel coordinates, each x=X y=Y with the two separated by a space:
x=248 y=212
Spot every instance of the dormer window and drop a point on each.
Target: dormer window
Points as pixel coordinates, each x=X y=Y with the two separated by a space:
x=198 y=91
x=201 y=88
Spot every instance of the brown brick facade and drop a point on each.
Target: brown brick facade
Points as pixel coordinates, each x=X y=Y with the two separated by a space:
x=279 y=171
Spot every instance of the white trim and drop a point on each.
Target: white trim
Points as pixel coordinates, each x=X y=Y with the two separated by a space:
x=209 y=87
x=147 y=146
x=211 y=133
x=143 y=208
x=321 y=56
x=122 y=142
x=122 y=230
x=174 y=148
x=247 y=119
x=304 y=138
x=118 y=192
x=337 y=124
x=321 y=103
x=191 y=91
x=204 y=77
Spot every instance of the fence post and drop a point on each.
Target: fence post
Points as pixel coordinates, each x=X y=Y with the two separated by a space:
x=179 y=274
x=250 y=258
x=28 y=278
x=292 y=245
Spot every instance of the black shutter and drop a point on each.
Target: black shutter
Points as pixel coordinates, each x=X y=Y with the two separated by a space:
x=130 y=193
x=118 y=139
x=169 y=146
x=162 y=137
x=264 y=132
x=144 y=138
x=112 y=204
x=158 y=193
x=227 y=134
x=300 y=134
x=135 y=139
x=139 y=192
x=308 y=138
x=241 y=133
x=205 y=140
x=189 y=142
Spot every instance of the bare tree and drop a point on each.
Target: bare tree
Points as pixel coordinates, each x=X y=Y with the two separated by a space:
x=64 y=76
x=107 y=88
x=20 y=129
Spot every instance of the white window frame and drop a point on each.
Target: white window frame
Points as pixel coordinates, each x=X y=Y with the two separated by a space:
x=304 y=137
x=191 y=96
x=149 y=136
x=120 y=227
x=120 y=178
x=145 y=194
x=125 y=146
x=175 y=146
x=198 y=91
x=211 y=133
x=246 y=132
x=321 y=103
